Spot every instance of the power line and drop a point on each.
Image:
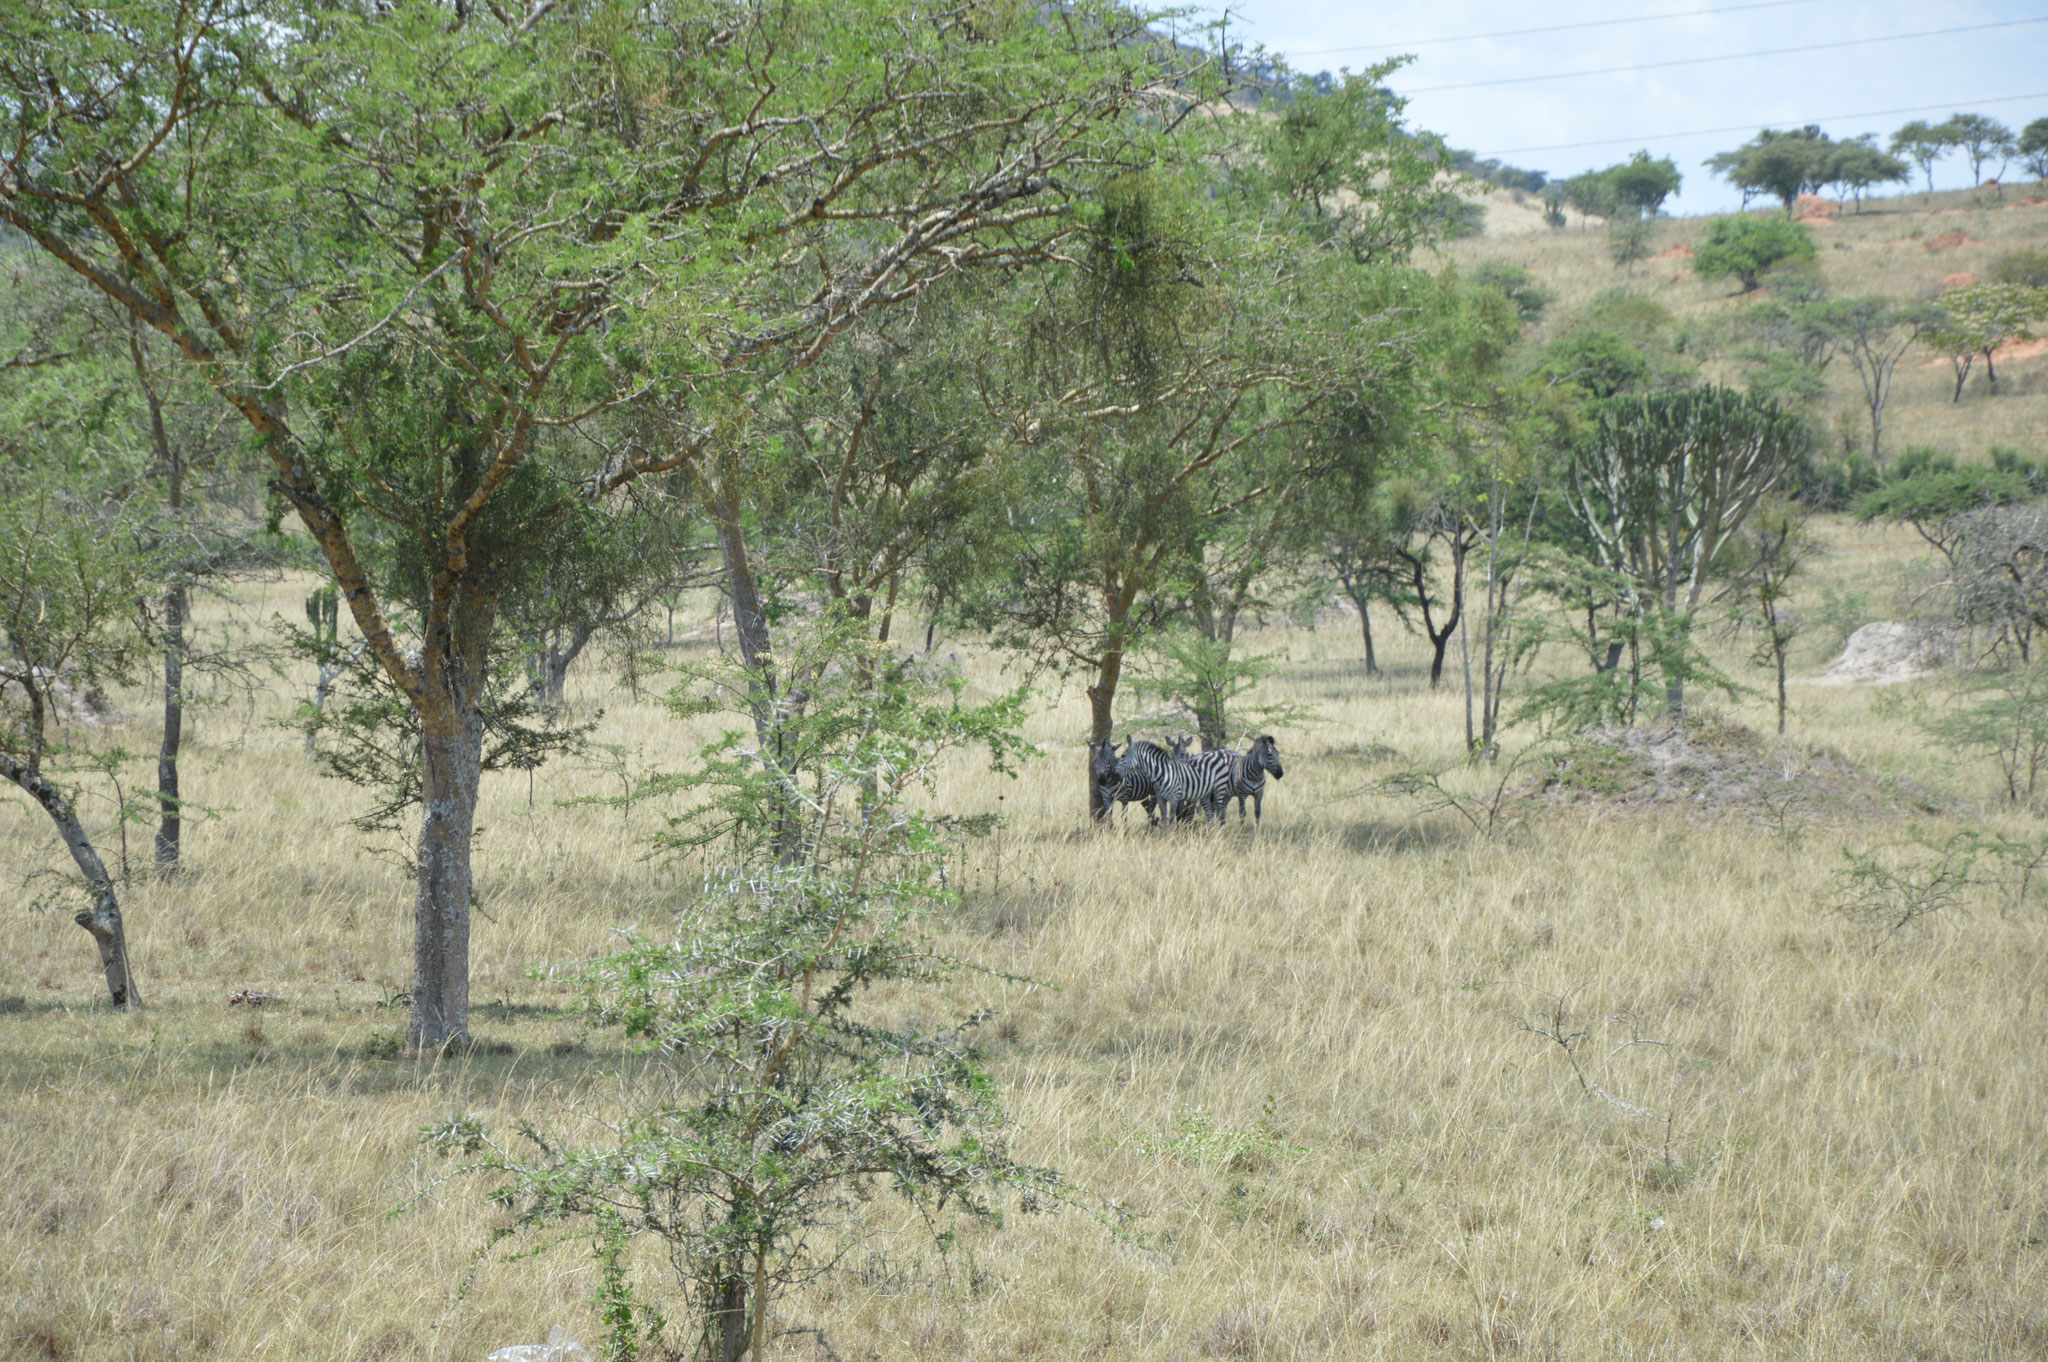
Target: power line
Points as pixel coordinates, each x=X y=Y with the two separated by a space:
x=1547 y=28
x=1746 y=127
x=1729 y=56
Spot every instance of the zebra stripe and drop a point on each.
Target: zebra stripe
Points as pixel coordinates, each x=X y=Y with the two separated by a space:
x=1247 y=778
x=1196 y=782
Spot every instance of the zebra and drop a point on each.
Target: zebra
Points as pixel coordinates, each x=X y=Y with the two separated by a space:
x=1247 y=776
x=1129 y=777
x=1190 y=782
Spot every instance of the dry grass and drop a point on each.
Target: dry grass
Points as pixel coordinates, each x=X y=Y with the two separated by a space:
x=1852 y=1165
x=1884 y=250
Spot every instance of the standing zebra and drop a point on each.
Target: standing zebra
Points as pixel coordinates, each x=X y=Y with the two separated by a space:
x=1129 y=777
x=1195 y=782
x=1248 y=776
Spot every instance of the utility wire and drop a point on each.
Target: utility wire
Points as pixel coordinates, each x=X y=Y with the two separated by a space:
x=1547 y=28
x=1747 y=127
x=1729 y=56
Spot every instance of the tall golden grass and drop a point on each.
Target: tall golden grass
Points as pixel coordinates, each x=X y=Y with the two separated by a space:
x=1296 y=1062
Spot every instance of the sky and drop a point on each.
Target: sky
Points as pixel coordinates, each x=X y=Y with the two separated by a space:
x=1687 y=112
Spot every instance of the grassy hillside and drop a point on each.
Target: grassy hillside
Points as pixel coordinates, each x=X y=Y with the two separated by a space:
x=1299 y=1061
x=1900 y=248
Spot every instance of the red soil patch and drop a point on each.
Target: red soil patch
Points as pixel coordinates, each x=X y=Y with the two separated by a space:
x=1812 y=206
x=1962 y=279
x=2031 y=201
x=1679 y=252
x=1677 y=278
x=1948 y=241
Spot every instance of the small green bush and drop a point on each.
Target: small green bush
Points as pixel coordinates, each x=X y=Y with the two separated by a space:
x=1746 y=246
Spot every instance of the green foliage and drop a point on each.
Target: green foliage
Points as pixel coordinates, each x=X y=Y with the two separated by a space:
x=2032 y=146
x=800 y=1085
x=1979 y=137
x=1203 y=682
x=1922 y=144
x=1927 y=490
x=1517 y=285
x=1365 y=183
x=1887 y=890
x=1657 y=653
x=2026 y=267
x=1619 y=343
x=1661 y=487
x=1744 y=247
x=1198 y=1139
x=367 y=733
x=1628 y=241
x=2001 y=713
x=1857 y=166
x=1784 y=164
x=1592 y=194
x=1641 y=184
x=72 y=568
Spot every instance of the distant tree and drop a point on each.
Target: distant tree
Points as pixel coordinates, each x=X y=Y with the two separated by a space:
x=1553 y=205
x=1875 y=334
x=2032 y=146
x=1977 y=319
x=1980 y=138
x=1857 y=164
x=1923 y=144
x=1784 y=164
x=1643 y=184
x=1744 y=247
x=1629 y=240
x=1788 y=340
x=1773 y=546
x=1592 y=194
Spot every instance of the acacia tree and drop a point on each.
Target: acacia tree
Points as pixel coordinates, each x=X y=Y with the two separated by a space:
x=1923 y=145
x=1169 y=384
x=1979 y=137
x=70 y=574
x=1874 y=334
x=1784 y=164
x=404 y=242
x=1978 y=318
x=1661 y=487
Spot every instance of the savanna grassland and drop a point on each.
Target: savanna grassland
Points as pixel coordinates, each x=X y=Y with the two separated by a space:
x=1299 y=1070
x=1293 y=1066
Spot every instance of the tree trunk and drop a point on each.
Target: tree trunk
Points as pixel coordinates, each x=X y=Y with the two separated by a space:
x=729 y=1316
x=103 y=919
x=177 y=606
x=1102 y=720
x=750 y=625
x=451 y=774
x=1372 y=665
x=1780 y=651
x=169 y=820
x=1962 y=367
x=1990 y=371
